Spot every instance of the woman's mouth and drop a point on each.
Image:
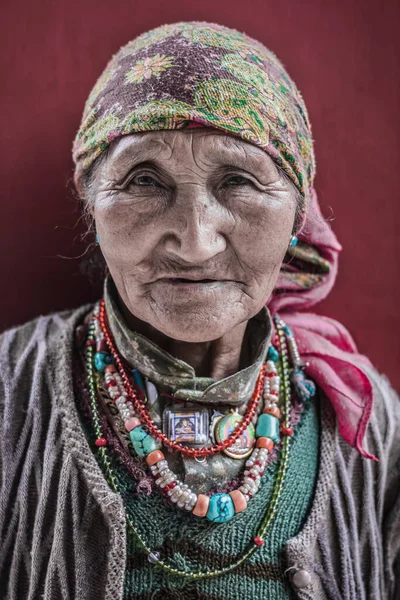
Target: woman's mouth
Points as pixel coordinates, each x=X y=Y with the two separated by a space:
x=185 y=286
x=192 y=281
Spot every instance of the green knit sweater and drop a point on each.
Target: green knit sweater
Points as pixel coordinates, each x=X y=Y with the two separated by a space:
x=191 y=543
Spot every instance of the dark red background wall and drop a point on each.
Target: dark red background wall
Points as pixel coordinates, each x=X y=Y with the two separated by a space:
x=344 y=57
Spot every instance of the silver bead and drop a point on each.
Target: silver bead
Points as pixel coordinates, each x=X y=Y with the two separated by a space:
x=176 y=493
x=167 y=481
x=301 y=579
x=190 y=505
x=252 y=486
x=153 y=557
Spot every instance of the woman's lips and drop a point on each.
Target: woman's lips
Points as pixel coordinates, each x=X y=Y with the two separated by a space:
x=190 y=286
x=177 y=280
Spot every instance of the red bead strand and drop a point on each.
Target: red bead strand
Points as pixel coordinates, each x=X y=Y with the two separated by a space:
x=152 y=427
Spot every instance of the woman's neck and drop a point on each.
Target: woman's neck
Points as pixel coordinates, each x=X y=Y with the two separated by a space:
x=217 y=358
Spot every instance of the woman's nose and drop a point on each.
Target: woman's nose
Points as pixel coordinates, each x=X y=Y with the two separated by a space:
x=196 y=233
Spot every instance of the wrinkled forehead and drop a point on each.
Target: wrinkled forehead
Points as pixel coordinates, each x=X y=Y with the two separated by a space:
x=203 y=149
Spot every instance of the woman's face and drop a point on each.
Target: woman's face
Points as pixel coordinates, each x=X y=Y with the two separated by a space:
x=193 y=226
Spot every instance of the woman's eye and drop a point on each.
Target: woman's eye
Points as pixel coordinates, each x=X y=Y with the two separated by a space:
x=145 y=180
x=236 y=180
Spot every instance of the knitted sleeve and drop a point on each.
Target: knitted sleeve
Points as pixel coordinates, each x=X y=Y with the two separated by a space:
x=389 y=418
x=383 y=494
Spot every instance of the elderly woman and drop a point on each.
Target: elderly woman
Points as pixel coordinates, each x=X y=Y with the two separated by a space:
x=193 y=435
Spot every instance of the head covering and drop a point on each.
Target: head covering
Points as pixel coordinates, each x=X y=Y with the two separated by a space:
x=202 y=73
x=187 y=74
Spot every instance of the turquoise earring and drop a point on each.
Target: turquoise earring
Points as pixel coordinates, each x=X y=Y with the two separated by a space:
x=293 y=241
x=97 y=239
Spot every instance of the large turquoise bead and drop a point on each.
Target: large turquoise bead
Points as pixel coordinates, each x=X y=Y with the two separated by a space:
x=268 y=426
x=142 y=441
x=101 y=360
x=220 y=509
x=272 y=354
x=138 y=379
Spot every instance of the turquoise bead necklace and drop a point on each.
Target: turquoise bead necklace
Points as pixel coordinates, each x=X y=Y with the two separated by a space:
x=266 y=427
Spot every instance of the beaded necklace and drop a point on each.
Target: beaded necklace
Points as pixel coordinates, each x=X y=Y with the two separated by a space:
x=105 y=342
x=155 y=458
x=179 y=493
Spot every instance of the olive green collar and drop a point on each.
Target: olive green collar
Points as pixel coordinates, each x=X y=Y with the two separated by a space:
x=175 y=376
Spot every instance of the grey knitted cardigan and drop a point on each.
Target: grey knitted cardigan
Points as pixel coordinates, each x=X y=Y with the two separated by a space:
x=62 y=530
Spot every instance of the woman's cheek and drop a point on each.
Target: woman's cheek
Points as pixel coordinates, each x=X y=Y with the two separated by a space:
x=263 y=240
x=261 y=251
x=122 y=240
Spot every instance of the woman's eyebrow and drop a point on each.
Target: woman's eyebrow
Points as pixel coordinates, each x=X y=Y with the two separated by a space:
x=248 y=161
x=124 y=161
x=142 y=148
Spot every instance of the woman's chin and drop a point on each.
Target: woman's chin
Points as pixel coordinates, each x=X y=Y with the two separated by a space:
x=194 y=332
x=195 y=327
x=198 y=316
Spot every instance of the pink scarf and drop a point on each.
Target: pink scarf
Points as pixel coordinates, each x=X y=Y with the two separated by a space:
x=328 y=348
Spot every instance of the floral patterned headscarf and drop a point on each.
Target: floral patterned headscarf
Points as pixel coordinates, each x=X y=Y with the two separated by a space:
x=203 y=73
x=199 y=73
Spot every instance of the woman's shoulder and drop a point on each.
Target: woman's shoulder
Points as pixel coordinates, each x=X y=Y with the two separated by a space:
x=385 y=413
x=36 y=373
x=382 y=435
x=20 y=345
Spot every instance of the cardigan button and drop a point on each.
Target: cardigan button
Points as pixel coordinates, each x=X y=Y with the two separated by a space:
x=301 y=579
